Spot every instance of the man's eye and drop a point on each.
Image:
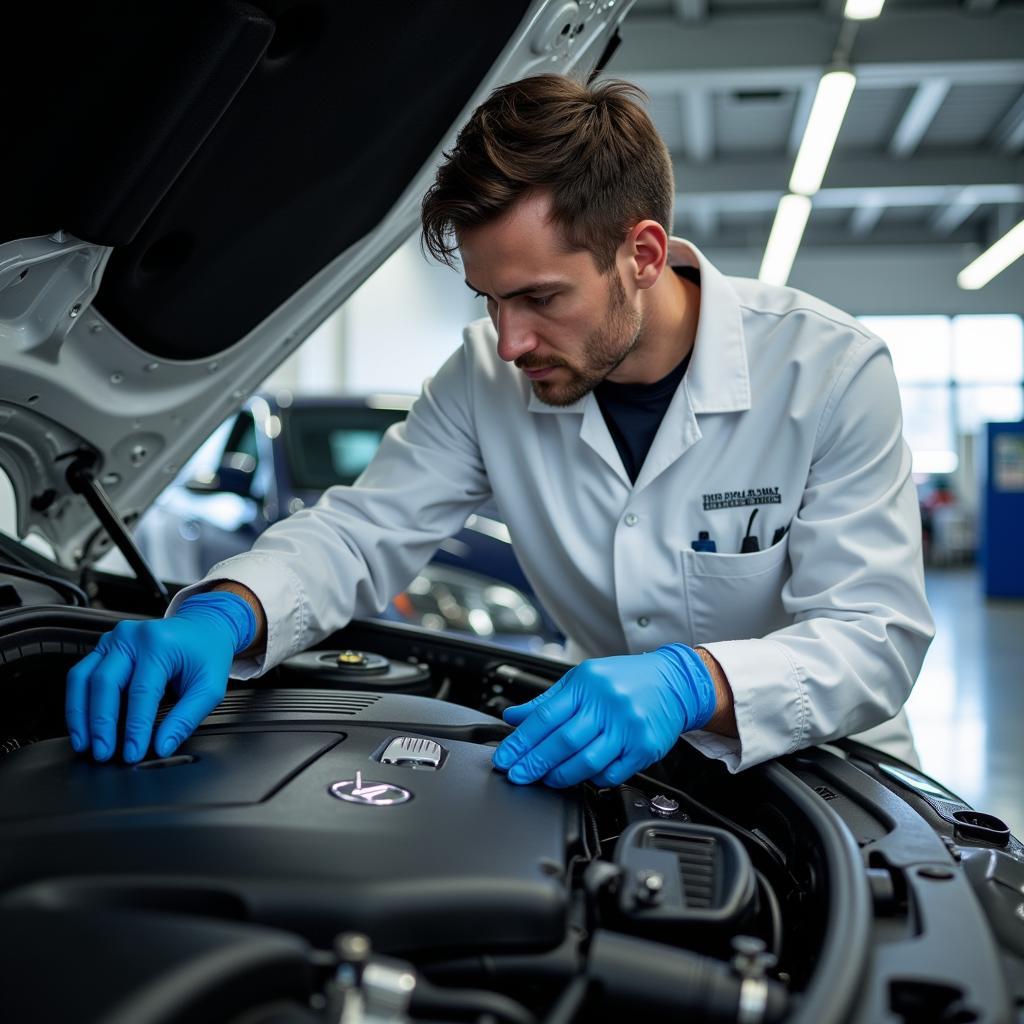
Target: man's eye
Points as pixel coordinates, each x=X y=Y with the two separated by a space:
x=541 y=300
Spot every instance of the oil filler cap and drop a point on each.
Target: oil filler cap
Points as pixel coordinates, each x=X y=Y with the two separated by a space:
x=663 y=806
x=413 y=752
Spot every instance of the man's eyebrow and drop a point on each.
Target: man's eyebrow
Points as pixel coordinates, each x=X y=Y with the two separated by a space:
x=537 y=286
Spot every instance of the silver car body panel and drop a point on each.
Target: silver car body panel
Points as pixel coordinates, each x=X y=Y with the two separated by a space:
x=70 y=381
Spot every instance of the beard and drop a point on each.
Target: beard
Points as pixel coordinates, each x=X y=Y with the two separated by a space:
x=605 y=349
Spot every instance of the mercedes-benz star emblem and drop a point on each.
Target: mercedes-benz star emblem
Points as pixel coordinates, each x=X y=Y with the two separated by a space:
x=374 y=794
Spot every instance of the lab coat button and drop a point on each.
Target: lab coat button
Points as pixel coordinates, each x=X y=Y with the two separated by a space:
x=643 y=621
x=632 y=519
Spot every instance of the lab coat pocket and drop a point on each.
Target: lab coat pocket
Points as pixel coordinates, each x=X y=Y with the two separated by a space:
x=736 y=597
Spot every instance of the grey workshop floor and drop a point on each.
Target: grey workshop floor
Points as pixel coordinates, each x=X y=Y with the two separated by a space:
x=967 y=709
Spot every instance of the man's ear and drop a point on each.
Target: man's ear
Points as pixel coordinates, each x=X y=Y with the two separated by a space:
x=647 y=252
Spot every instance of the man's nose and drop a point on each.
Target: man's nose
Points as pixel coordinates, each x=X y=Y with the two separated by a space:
x=515 y=337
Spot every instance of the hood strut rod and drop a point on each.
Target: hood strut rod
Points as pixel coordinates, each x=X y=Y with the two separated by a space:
x=81 y=481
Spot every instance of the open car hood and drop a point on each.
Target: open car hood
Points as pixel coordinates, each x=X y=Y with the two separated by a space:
x=198 y=187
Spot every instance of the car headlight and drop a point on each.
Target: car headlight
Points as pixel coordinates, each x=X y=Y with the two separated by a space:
x=442 y=597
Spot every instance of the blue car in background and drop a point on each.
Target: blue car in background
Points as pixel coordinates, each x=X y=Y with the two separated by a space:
x=278 y=455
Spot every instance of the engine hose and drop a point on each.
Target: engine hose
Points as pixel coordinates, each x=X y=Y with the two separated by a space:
x=560 y=964
x=728 y=824
x=569 y=1002
x=75 y=594
x=649 y=978
x=774 y=912
x=428 y=998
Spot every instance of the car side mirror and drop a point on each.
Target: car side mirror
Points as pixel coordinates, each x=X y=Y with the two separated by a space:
x=227 y=480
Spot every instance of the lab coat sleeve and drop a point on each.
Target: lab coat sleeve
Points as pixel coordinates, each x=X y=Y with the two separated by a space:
x=358 y=546
x=861 y=622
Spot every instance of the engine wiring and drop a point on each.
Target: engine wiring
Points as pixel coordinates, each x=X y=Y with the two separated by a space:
x=74 y=593
x=749 y=837
x=590 y=826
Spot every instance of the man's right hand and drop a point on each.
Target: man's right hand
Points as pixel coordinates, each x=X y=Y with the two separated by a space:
x=192 y=649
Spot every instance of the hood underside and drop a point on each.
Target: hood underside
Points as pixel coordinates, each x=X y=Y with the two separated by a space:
x=198 y=186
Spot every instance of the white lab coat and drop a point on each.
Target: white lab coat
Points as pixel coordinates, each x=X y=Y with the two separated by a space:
x=788 y=405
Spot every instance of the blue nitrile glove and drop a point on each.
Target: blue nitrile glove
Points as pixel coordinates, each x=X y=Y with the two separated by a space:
x=608 y=718
x=193 y=648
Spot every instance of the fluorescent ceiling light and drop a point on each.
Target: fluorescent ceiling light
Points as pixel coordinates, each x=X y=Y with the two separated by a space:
x=783 y=242
x=993 y=260
x=827 y=113
x=861 y=10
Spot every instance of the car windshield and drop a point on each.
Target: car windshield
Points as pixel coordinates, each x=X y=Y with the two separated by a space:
x=332 y=445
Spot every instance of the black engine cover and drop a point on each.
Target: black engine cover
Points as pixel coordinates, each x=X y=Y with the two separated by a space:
x=241 y=823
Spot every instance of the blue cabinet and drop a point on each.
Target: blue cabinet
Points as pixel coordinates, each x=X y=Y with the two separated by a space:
x=1002 y=542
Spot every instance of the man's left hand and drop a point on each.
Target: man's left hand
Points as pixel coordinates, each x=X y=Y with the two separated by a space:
x=608 y=718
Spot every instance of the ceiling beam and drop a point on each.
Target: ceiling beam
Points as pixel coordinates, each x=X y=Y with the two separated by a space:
x=690 y=10
x=866 y=216
x=946 y=221
x=887 y=278
x=1003 y=218
x=904 y=47
x=832 y=235
x=959 y=205
x=1009 y=133
x=880 y=76
x=703 y=216
x=801 y=113
x=918 y=116
x=964 y=201
x=698 y=125
x=957 y=168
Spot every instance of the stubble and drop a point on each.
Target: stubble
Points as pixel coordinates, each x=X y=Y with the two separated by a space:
x=605 y=350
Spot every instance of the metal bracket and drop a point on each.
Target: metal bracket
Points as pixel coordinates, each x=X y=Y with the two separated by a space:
x=369 y=989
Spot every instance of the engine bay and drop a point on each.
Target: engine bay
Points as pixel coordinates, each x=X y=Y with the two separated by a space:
x=334 y=844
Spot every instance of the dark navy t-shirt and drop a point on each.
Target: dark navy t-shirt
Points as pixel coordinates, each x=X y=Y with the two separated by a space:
x=633 y=412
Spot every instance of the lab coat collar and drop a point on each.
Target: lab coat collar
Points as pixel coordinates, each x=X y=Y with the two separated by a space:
x=717 y=379
x=593 y=430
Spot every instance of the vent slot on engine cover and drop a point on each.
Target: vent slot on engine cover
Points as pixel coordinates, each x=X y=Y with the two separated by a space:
x=315 y=704
x=698 y=858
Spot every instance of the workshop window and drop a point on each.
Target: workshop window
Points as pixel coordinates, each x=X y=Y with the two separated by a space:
x=955 y=374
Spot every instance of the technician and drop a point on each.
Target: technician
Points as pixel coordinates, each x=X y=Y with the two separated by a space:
x=703 y=477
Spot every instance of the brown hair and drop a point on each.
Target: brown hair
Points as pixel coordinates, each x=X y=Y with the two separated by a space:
x=594 y=147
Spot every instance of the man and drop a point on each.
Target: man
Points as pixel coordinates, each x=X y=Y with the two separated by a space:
x=704 y=479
